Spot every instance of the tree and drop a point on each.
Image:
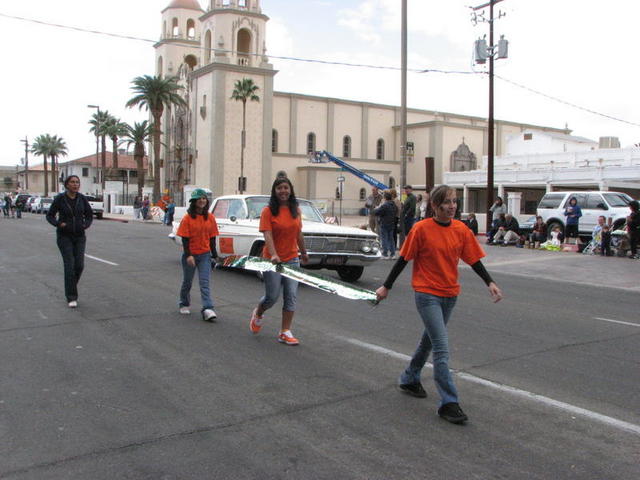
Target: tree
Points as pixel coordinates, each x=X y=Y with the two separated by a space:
x=40 y=147
x=57 y=147
x=114 y=129
x=244 y=90
x=155 y=94
x=138 y=135
x=98 y=123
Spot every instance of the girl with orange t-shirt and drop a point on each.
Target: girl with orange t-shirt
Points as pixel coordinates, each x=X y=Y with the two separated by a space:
x=436 y=245
x=281 y=224
x=198 y=229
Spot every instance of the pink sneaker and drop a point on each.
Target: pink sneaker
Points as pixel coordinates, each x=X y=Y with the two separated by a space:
x=256 y=321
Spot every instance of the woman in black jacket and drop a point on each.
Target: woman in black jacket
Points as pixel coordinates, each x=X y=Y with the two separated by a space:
x=71 y=214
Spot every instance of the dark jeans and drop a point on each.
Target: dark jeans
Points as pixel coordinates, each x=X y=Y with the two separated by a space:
x=408 y=224
x=72 y=250
x=634 y=239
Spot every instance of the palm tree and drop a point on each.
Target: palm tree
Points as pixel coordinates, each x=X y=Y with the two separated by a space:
x=244 y=90
x=114 y=128
x=40 y=146
x=57 y=147
x=138 y=135
x=98 y=123
x=155 y=94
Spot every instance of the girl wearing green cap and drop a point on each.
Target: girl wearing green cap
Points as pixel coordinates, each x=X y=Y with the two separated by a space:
x=198 y=229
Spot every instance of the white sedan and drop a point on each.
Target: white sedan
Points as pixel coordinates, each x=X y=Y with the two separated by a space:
x=344 y=249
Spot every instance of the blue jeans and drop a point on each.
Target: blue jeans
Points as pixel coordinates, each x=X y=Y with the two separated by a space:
x=72 y=250
x=408 y=224
x=386 y=237
x=203 y=264
x=274 y=282
x=435 y=312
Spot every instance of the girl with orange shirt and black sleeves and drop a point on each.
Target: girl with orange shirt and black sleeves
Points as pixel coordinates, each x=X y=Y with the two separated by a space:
x=436 y=245
x=281 y=224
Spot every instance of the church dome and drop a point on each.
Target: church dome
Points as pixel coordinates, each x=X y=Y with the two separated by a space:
x=188 y=4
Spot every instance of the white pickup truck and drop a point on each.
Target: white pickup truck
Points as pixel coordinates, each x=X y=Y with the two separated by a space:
x=96 y=205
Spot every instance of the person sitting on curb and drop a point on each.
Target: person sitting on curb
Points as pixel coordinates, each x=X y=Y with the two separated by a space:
x=510 y=233
x=496 y=225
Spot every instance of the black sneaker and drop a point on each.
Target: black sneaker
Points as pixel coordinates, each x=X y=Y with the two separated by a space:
x=452 y=412
x=413 y=389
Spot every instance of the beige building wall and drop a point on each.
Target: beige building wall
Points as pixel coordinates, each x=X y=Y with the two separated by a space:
x=311 y=117
x=347 y=121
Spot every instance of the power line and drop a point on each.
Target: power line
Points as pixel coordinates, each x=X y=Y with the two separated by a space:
x=323 y=62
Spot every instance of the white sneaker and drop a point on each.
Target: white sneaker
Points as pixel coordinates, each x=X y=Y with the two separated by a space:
x=208 y=315
x=185 y=311
x=73 y=304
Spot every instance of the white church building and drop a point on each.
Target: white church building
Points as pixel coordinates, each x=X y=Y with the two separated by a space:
x=210 y=49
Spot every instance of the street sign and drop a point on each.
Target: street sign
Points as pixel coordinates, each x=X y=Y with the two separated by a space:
x=341 y=179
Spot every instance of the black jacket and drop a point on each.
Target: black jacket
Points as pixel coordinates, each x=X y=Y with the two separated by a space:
x=513 y=225
x=76 y=219
x=387 y=213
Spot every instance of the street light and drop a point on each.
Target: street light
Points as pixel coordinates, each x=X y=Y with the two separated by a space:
x=97 y=107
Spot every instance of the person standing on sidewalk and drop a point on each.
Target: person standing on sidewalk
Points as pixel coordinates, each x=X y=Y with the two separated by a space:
x=436 y=245
x=387 y=213
x=408 y=209
x=198 y=230
x=373 y=201
x=633 y=227
x=169 y=212
x=146 y=204
x=281 y=224
x=137 y=207
x=71 y=214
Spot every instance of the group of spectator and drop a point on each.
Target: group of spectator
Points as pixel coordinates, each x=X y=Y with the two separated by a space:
x=142 y=208
x=388 y=216
x=12 y=205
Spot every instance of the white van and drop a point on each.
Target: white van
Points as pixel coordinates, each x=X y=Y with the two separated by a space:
x=614 y=206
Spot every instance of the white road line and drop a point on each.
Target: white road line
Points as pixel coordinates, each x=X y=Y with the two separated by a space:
x=42 y=315
x=101 y=260
x=536 y=260
x=617 y=321
x=613 y=422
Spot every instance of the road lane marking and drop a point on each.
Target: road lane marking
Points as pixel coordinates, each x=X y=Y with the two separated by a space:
x=101 y=260
x=42 y=315
x=613 y=422
x=617 y=321
x=536 y=260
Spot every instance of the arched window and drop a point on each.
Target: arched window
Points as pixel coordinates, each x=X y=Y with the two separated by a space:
x=207 y=46
x=346 y=146
x=159 y=72
x=274 y=140
x=244 y=46
x=191 y=29
x=380 y=149
x=311 y=142
x=392 y=182
x=175 y=30
x=363 y=194
x=191 y=61
x=337 y=193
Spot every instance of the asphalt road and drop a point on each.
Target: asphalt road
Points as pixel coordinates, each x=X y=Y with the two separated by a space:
x=125 y=387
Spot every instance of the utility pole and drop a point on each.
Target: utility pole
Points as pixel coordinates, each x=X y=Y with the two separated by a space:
x=482 y=52
x=26 y=162
x=403 y=112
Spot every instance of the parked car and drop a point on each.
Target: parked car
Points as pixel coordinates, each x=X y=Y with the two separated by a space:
x=22 y=198
x=344 y=249
x=96 y=205
x=30 y=203
x=526 y=226
x=45 y=204
x=614 y=206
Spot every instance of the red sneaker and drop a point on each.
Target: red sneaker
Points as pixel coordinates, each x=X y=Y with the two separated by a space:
x=287 y=338
x=256 y=321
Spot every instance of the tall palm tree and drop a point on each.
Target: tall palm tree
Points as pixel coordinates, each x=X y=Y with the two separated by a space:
x=155 y=94
x=244 y=90
x=115 y=129
x=98 y=123
x=138 y=135
x=40 y=147
x=57 y=147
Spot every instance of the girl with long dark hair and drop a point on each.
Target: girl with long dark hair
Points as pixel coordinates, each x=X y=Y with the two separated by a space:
x=436 y=245
x=281 y=224
x=198 y=229
x=71 y=214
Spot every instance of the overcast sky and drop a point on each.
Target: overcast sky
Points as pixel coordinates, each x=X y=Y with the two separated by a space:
x=580 y=51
